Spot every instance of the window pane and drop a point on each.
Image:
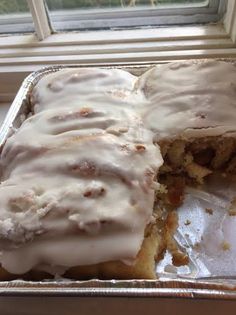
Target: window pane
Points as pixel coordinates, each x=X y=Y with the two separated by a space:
x=15 y=17
x=110 y=14
x=124 y=4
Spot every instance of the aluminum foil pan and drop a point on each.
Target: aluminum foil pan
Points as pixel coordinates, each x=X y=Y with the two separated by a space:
x=206 y=232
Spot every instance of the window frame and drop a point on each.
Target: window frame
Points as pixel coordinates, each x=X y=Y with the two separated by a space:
x=95 y=19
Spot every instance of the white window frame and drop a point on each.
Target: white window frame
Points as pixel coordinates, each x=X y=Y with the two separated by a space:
x=22 y=54
x=106 y=18
x=40 y=18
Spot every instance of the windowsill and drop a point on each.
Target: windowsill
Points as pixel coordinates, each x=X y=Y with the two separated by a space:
x=63 y=47
x=22 y=54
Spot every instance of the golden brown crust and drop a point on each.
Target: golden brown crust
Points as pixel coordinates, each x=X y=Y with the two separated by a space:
x=144 y=267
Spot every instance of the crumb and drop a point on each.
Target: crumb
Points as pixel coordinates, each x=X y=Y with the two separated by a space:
x=172 y=221
x=232 y=208
x=225 y=245
x=158 y=213
x=85 y=111
x=140 y=148
x=197 y=246
x=162 y=189
x=180 y=259
x=174 y=198
x=209 y=211
x=187 y=222
x=232 y=212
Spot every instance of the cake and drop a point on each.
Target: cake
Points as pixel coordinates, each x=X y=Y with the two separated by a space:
x=79 y=182
x=91 y=180
x=192 y=113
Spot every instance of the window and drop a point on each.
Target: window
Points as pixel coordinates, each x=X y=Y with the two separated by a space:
x=65 y=15
x=107 y=14
x=15 y=17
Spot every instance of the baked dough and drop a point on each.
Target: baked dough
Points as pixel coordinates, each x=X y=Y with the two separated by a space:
x=80 y=192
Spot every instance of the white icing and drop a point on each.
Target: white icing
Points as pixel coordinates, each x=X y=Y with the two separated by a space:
x=86 y=85
x=78 y=175
x=190 y=99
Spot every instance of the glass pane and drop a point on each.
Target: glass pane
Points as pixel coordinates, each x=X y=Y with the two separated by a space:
x=105 y=14
x=15 y=17
x=82 y=4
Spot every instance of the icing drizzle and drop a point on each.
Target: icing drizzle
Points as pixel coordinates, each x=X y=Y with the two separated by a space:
x=78 y=175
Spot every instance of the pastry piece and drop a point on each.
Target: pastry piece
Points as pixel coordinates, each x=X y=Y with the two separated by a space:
x=79 y=195
x=191 y=109
x=73 y=87
x=79 y=183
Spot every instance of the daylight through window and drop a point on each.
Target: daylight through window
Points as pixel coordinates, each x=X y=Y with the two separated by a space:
x=66 y=15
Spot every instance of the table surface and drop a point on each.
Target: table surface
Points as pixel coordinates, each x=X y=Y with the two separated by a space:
x=114 y=306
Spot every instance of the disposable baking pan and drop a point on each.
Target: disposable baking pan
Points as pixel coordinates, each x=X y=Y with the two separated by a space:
x=183 y=284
